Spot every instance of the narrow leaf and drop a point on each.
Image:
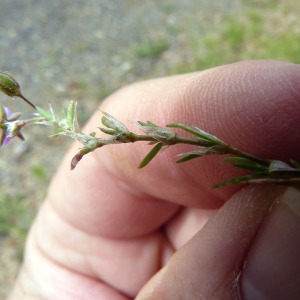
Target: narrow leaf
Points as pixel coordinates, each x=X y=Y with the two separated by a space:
x=151 y=155
x=106 y=122
x=187 y=158
x=47 y=115
x=202 y=135
x=246 y=164
x=188 y=129
x=241 y=179
x=295 y=163
x=108 y=131
x=113 y=123
x=78 y=156
x=71 y=115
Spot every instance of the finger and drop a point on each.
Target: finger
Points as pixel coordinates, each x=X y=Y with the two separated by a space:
x=210 y=264
x=107 y=199
x=271 y=268
x=247 y=104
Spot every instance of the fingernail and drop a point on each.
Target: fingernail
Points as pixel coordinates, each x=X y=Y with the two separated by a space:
x=272 y=266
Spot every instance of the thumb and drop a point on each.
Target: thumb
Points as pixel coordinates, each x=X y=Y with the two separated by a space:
x=210 y=265
x=272 y=264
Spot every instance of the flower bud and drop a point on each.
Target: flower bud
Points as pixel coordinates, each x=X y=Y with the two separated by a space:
x=8 y=85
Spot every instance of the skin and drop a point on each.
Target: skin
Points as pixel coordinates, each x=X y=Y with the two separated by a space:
x=108 y=230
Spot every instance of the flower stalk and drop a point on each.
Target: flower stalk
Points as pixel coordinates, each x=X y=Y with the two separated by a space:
x=66 y=124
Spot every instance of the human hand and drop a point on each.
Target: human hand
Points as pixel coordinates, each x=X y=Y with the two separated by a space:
x=107 y=228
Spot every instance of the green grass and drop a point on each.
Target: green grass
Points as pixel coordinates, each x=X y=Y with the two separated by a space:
x=40 y=172
x=150 y=48
x=263 y=30
x=14 y=215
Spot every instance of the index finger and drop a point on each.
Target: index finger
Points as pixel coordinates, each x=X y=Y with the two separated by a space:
x=247 y=105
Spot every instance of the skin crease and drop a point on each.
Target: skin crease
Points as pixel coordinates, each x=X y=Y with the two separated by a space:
x=107 y=227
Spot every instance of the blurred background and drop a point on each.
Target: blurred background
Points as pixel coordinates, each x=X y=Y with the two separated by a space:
x=85 y=49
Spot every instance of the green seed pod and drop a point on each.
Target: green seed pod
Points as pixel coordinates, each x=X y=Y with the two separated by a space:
x=10 y=87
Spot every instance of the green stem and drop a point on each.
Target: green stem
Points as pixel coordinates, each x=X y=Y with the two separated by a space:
x=27 y=101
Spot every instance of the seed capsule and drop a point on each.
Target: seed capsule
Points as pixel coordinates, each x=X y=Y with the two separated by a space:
x=10 y=87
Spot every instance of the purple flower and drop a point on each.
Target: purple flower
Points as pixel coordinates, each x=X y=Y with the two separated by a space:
x=10 y=125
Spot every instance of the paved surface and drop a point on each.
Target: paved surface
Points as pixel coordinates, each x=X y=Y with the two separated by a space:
x=78 y=49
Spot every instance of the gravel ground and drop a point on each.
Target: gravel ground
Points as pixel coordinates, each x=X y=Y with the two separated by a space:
x=61 y=50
